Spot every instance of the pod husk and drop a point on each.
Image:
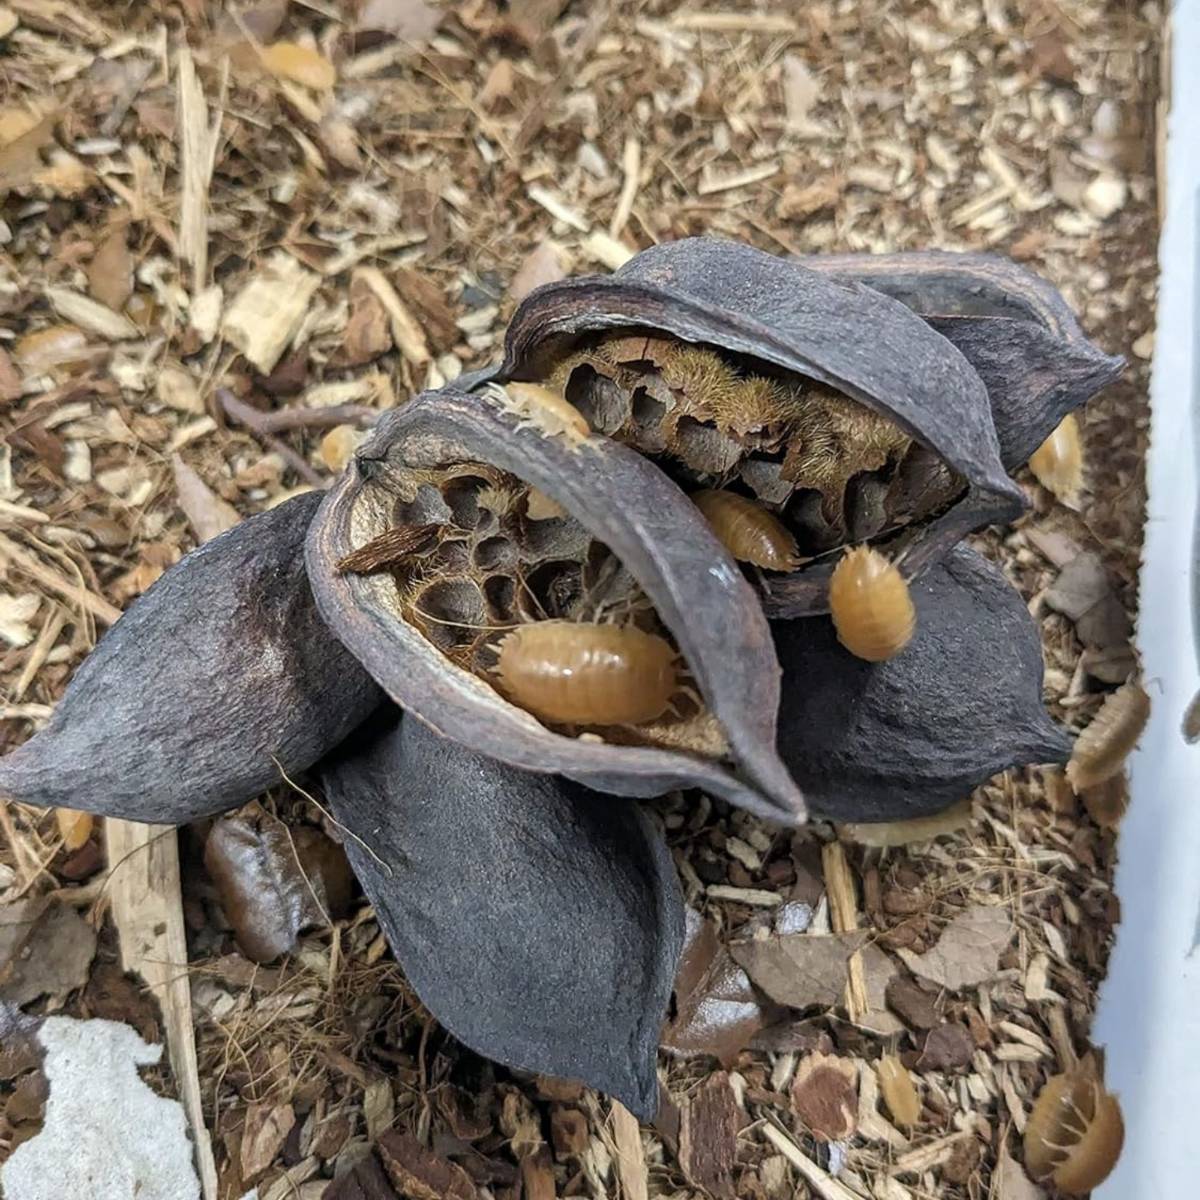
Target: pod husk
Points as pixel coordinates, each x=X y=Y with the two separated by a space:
x=911 y=736
x=540 y=922
x=868 y=346
x=218 y=677
x=1012 y=326
x=627 y=503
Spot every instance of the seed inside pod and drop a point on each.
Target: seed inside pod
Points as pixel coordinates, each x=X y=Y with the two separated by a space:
x=1057 y=464
x=871 y=606
x=1105 y=744
x=1075 y=1131
x=826 y=468
x=513 y=590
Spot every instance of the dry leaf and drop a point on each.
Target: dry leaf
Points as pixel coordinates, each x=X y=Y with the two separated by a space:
x=878 y=971
x=710 y=1121
x=263 y=1135
x=83 y=311
x=274 y=881
x=800 y=94
x=968 y=952
x=16 y=612
x=1011 y=1181
x=947 y=1047
x=299 y=64
x=110 y=273
x=407 y=20
x=544 y=265
x=206 y=512
x=23 y=136
x=45 y=950
x=825 y=1096
x=57 y=346
x=716 y=1009
x=1083 y=592
x=800 y=970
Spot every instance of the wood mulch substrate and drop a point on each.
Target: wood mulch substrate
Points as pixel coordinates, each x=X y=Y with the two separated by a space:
x=370 y=238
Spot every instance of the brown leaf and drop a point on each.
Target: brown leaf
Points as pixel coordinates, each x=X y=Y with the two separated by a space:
x=800 y=970
x=206 y=512
x=716 y=1009
x=544 y=265
x=428 y=301
x=420 y=1174
x=1083 y=592
x=407 y=20
x=368 y=332
x=709 y=1126
x=110 y=273
x=878 y=970
x=825 y=1096
x=364 y=1181
x=45 y=950
x=20 y=157
x=274 y=881
x=265 y=1131
x=968 y=952
x=948 y=1047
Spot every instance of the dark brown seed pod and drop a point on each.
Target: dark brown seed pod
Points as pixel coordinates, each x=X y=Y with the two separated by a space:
x=217 y=679
x=575 y=954
x=468 y=460
x=1103 y=747
x=861 y=350
x=870 y=604
x=1075 y=1132
x=577 y=674
x=861 y=756
x=1012 y=326
x=748 y=531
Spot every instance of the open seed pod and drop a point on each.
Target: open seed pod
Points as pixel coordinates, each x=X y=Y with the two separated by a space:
x=1013 y=327
x=1075 y=1132
x=540 y=922
x=474 y=518
x=832 y=405
x=217 y=679
x=910 y=736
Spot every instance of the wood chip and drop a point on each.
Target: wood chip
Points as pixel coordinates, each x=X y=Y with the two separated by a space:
x=630 y=1158
x=406 y=332
x=206 y=512
x=711 y=1120
x=91 y=315
x=264 y=317
x=197 y=150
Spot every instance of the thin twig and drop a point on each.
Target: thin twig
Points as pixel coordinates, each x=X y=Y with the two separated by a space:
x=248 y=415
x=303 y=417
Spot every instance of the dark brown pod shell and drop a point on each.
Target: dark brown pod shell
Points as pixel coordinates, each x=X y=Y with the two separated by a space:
x=869 y=347
x=541 y=923
x=911 y=736
x=1011 y=325
x=629 y=505
x=1075 y=1133
x=217 y=679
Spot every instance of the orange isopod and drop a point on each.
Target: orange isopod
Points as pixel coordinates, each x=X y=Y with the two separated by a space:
x=582 y=674
x=871 y=606
x=748 y=531
x=1075 y=1132
x=1057 y=464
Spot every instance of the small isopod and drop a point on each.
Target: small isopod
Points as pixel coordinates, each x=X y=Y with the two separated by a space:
x=540 y=507
x=748 y=531
x=543 y=407
x=1105 y=744
x=1057 y=464
x=1075 y=1131
x=582 y=674
x=871 y=606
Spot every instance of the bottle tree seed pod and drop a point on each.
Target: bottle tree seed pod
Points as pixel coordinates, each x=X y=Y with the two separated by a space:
x=871 y=606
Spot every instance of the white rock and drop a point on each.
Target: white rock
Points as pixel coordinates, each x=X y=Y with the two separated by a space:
x=1105 y=195
x=106 y=1136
